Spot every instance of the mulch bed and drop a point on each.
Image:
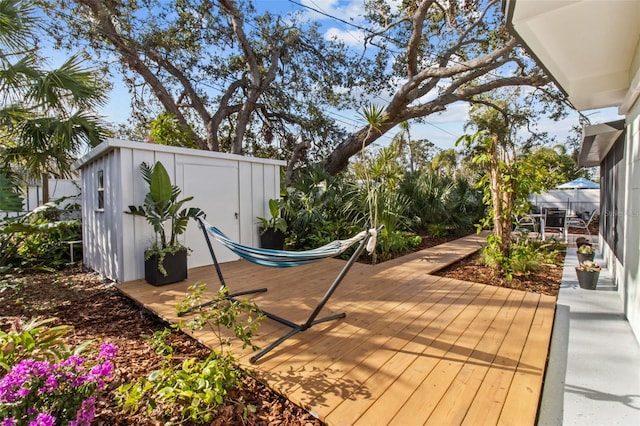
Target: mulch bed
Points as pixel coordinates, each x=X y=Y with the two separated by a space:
x=546 y=281
x=97 y=311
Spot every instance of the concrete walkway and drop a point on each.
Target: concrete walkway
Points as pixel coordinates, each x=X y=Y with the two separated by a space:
x=593 y=377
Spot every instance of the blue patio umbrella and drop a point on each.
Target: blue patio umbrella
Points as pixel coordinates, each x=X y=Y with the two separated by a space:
x=580 y=183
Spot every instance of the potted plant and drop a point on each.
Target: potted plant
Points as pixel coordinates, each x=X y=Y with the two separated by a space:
x=588 y=273
x=166 y=259
x=272 y=230
x=586 y=253
x=580 y=241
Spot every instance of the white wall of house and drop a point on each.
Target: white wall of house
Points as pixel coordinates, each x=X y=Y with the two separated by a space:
x=232 y=190
x=67 y=189
x=623 y=261
x=629 y=284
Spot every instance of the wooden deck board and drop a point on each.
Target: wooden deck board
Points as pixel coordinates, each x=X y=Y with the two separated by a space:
x=413 y=349
x=453 y=406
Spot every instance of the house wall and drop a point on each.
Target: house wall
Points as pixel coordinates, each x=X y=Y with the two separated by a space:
x=630 y=287
x=620 y=224
x=232 y=190
x=58 y=188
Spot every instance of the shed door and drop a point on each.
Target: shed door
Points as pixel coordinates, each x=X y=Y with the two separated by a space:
x=215 y=190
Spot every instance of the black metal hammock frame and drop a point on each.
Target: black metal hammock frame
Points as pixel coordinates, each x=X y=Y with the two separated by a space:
x=282 y=258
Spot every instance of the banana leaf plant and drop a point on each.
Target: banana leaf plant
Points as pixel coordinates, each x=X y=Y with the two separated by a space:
x=163 y=211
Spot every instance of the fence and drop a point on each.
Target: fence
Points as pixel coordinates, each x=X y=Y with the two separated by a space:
x=575 y=201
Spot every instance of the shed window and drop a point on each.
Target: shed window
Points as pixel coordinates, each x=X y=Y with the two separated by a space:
x=100 y=190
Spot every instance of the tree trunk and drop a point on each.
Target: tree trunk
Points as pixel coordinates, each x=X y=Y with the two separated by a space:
x=338 y=160
x=45 y=188
x=298 y=151
x=502 y=200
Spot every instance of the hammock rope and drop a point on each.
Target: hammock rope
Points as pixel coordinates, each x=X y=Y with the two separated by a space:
x=284 y=258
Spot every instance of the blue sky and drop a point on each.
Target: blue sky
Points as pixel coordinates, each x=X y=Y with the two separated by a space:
x=442 y=129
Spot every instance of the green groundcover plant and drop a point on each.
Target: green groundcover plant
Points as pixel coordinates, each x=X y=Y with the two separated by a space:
x=192 y=390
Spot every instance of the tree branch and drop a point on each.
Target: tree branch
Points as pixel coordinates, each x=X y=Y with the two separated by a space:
x=129 y=52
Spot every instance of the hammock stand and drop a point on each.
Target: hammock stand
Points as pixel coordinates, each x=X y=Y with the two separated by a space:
x=281 y=258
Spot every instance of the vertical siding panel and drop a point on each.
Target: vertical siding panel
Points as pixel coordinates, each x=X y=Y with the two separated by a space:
x=260 y=199
x=144 y=236
x=99 y=229
x=178 y=178
x=270 y=189
x=130 y=261
x=88 y=196
x=246 y=216
x=112 y=254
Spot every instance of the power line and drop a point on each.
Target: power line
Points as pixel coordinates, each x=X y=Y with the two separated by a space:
x=367 y=30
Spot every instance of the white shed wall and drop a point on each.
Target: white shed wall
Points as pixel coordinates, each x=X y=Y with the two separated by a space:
x=102 y=230
x=231 y=189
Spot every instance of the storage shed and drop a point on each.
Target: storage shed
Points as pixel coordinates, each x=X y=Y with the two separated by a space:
x=232 y=190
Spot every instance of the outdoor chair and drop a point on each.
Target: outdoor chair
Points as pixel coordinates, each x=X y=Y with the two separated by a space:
x=556 y=219
x=283 y=259
x=581 y=222
x=526 y=224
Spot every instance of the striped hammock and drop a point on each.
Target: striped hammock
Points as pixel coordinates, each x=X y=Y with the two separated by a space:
x=284 y=258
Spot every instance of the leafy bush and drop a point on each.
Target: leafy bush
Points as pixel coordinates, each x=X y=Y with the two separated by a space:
x=525 y=255
x=319 y=209
x=193 y=387
x=442 y=201
x=191 y=390
x=37 y=238
x=33 y=340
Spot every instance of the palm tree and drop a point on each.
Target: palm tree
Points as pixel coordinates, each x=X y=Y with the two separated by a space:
x=446 y=162
x=47 y=116
x=404 y=138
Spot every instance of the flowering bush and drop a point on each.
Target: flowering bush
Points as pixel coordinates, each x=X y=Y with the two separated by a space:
x=43 y=393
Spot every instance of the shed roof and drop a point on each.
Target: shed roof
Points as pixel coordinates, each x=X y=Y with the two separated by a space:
x=113 y=144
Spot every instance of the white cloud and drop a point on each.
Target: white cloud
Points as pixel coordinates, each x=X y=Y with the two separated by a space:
x=455 y=113
x=351 y=37
x=347 y=10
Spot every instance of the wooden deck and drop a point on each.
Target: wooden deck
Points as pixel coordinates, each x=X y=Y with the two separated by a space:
x=413 y=349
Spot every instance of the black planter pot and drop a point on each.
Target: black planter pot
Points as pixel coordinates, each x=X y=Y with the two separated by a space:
x=587 y=279
x=175 y=265
x=583 y=257
x=272 y=239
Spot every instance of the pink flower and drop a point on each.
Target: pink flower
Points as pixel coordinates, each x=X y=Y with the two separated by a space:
x=43 y=419
x=108 y=351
